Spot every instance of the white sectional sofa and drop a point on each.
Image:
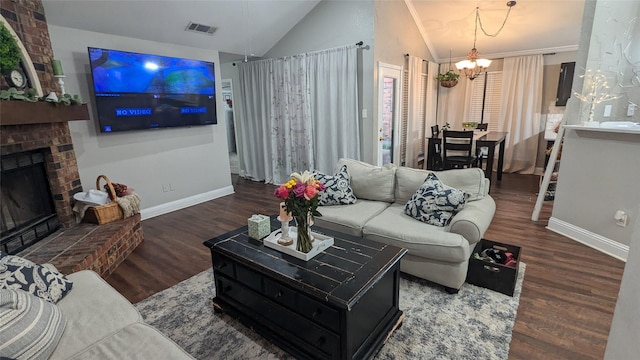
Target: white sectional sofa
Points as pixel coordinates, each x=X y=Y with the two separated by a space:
x=438 y=254
x=102 y=324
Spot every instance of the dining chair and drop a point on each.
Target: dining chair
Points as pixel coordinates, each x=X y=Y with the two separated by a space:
x=435 y=131
x=457 y=149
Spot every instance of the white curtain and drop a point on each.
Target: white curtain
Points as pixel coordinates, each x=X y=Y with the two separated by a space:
x=285 y=101
x=415 y=137
x=334 y=106
x=451 y=104
x=431 y=100
x=521 y=105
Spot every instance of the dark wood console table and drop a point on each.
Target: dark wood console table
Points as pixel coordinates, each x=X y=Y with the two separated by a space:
x=342 y=304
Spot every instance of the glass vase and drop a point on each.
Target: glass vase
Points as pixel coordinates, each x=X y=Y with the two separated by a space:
x=303 y=240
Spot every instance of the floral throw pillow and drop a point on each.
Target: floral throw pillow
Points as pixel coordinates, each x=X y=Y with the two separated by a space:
x=17 y=273
x=338 y=188
x=435 y=203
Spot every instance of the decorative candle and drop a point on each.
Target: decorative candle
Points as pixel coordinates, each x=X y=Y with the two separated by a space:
x=284 y=215
x=57 y=68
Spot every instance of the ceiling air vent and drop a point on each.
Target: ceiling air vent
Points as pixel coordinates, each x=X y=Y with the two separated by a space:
x=205 y=29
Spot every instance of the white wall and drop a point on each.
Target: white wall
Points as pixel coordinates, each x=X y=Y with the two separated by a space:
x=624 y=341
x=600 y=172
x=194 y=161
x=395 y=34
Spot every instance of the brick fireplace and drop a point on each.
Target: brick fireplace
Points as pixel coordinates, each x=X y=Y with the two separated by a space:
x=43 y=131
x=40 y=136
x=54 y=140
x=40 y=131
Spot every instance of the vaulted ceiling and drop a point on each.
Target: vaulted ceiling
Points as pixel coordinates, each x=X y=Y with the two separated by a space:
x=253 y=27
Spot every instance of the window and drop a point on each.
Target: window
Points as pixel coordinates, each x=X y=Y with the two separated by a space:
x=485 y=99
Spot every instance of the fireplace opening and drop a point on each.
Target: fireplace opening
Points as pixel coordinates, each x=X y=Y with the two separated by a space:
x=27 y=209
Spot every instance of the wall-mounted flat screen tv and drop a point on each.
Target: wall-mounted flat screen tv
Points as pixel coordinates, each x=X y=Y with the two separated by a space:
x=135 y=91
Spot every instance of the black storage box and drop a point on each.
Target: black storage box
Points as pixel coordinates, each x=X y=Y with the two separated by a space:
x=490 y=275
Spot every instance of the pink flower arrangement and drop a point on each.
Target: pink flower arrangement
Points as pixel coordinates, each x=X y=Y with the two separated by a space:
x=300 y=194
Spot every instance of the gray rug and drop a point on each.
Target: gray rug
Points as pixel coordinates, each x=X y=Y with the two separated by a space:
x=476 y=323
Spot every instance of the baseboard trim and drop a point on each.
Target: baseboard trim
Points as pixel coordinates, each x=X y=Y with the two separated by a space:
x=598 y=242
x=166 y=208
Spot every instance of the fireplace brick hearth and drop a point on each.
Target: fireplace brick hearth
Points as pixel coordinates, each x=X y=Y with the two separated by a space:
x=100 y=248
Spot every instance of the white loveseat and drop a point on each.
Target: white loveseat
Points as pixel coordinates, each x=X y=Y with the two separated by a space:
x=102 y=324
x=438 y=254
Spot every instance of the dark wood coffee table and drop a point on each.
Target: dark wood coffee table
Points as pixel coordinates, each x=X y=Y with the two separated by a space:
x=342 y=304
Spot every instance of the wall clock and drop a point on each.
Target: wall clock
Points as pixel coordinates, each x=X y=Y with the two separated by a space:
x=16 y=78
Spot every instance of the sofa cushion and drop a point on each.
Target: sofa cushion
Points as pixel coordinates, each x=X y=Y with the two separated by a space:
x=349 y=219
x=135 y=341
x=393 y=227
x=371 y=182
x=434 y=202
x=30 y=327
x=87 y=320
x=471 y=181
x=337 y=188
x=18 y=273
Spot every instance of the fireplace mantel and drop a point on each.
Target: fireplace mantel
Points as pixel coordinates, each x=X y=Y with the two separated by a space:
x=15 y=112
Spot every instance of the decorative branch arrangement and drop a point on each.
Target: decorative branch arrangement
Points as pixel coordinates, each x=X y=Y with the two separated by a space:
x=596 y=91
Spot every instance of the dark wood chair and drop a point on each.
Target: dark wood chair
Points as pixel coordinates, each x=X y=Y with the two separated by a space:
x=457 y=149
x=435 y=131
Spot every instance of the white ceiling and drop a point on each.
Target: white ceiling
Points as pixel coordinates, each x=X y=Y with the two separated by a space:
x=243 y=27
x=533 y=26
x=253 y=27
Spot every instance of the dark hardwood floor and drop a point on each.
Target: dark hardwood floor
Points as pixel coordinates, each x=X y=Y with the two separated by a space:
x=567 y=299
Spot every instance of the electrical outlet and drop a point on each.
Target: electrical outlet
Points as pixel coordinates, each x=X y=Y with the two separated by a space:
x=621 y=218
x=631 y=109
x=607 y=110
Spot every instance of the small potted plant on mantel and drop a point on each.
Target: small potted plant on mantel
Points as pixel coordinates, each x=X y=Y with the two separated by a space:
x=448 y=79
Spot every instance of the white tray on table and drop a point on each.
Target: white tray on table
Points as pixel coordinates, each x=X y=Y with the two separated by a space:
x=321 y=242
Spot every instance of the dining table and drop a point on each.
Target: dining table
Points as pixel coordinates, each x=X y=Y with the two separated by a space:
x=488 y=139
x=491 y=140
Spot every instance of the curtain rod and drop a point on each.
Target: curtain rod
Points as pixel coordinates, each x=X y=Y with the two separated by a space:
x=359 y=44
x=405 y=55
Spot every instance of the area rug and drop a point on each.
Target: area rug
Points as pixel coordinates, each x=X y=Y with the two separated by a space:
x=476 y=323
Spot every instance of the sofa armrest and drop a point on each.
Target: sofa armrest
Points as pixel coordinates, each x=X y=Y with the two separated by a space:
x=474 y=219
x=487 y=186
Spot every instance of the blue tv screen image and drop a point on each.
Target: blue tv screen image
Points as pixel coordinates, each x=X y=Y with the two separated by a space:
x=140 y=91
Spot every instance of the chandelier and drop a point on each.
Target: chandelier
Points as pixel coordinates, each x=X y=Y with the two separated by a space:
x=474 y=65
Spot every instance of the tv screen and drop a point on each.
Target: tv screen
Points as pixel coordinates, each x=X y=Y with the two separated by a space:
x=136 y=91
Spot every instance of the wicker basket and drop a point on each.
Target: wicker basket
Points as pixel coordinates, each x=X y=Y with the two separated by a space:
x=107 y=213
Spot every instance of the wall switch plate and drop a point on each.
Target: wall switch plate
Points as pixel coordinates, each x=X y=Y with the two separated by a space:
x=364 y=113
x=631 y=109
x=165 y=188
x=607 y=110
